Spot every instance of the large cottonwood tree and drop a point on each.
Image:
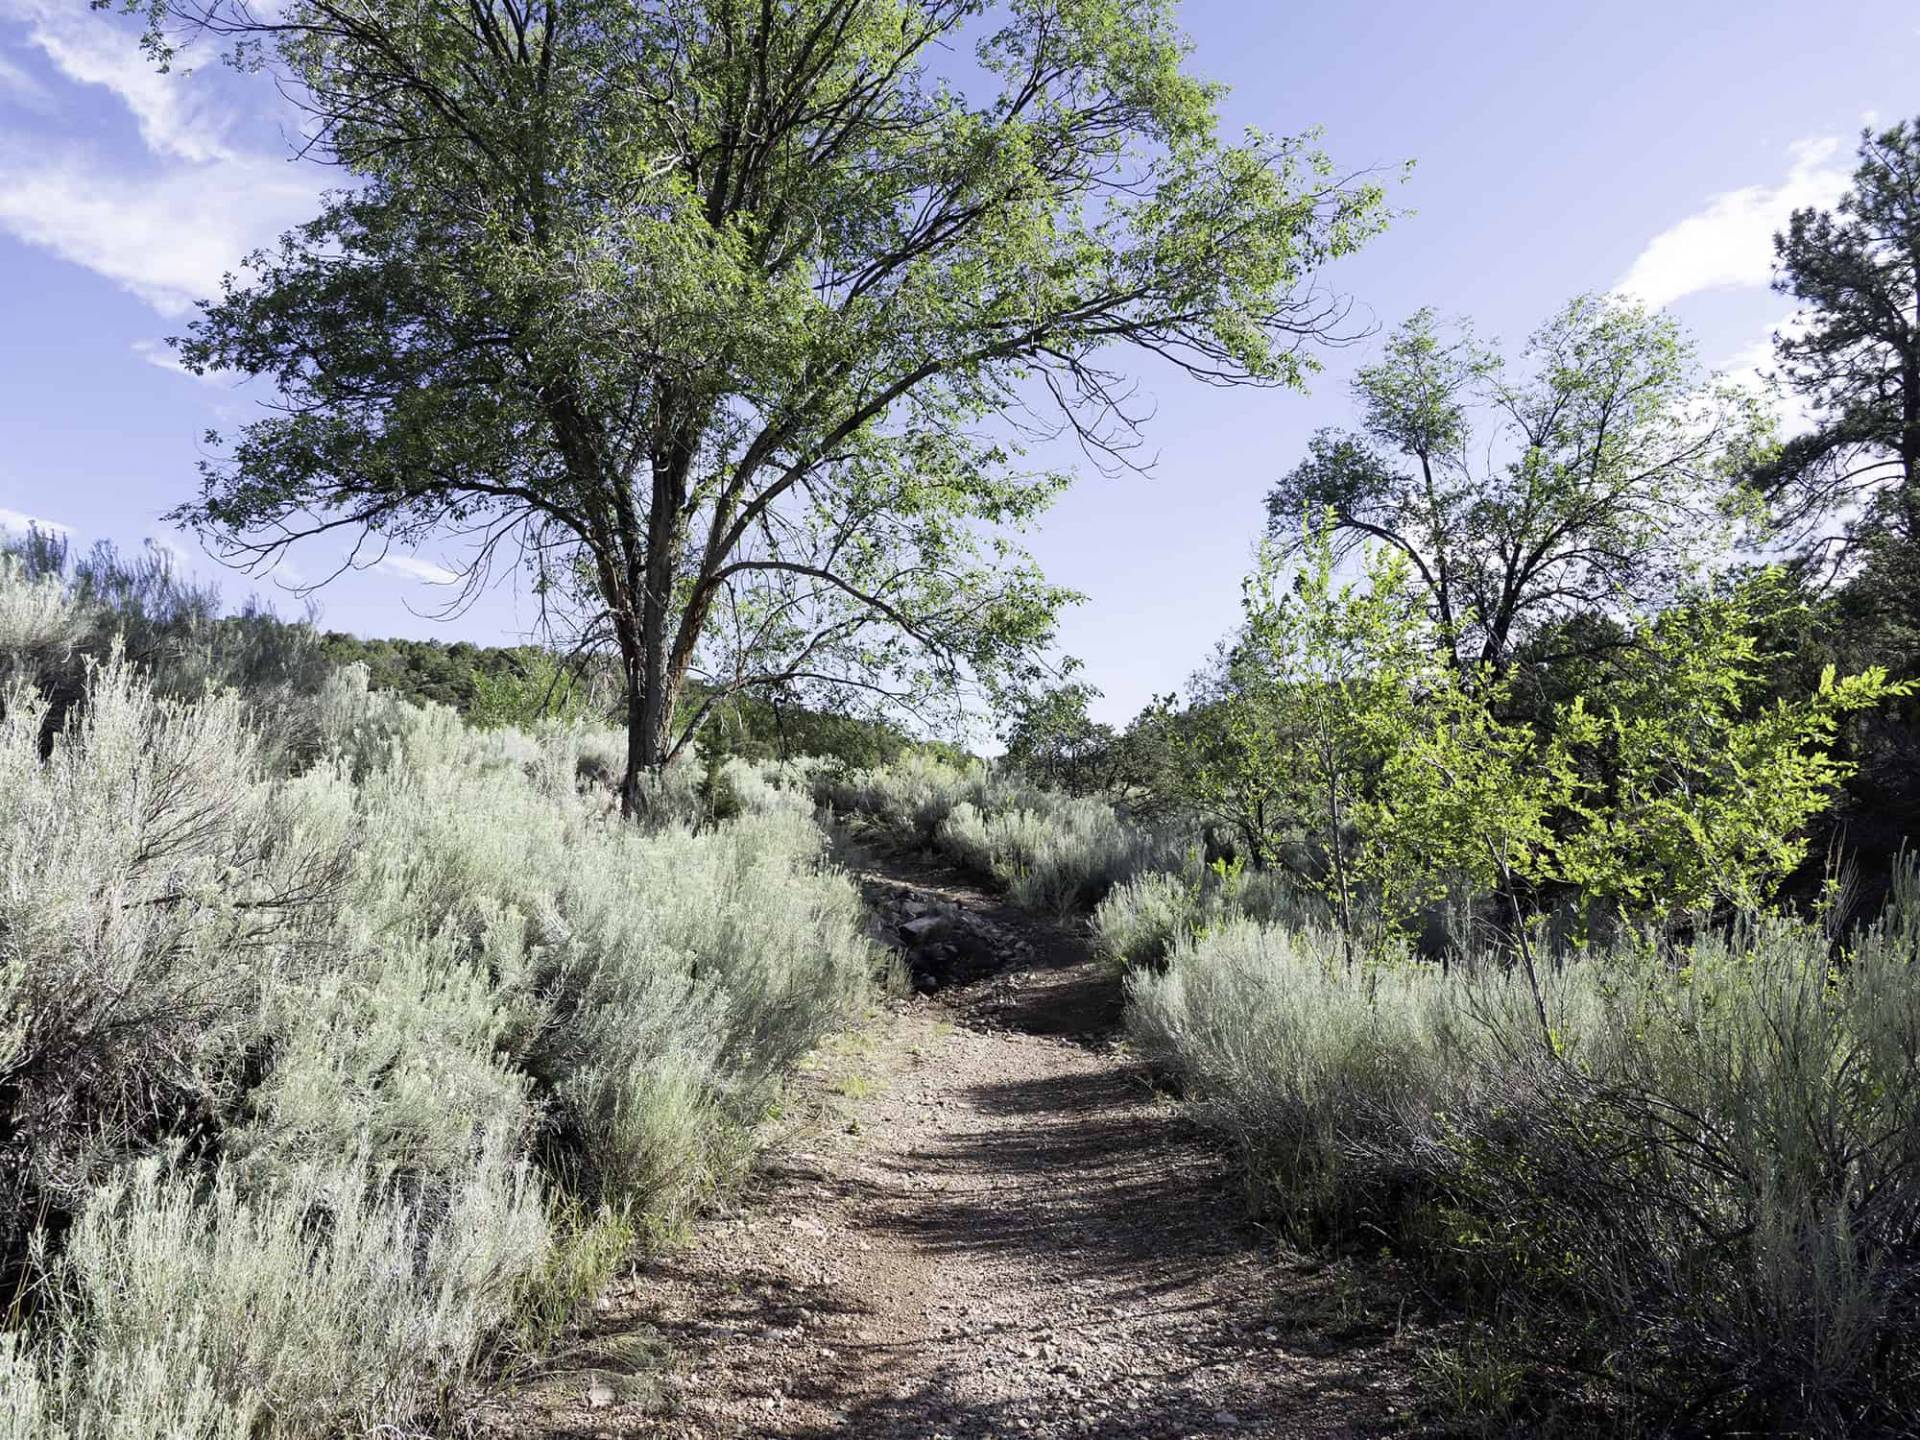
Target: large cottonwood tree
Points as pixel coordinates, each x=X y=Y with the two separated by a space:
x=713 y=309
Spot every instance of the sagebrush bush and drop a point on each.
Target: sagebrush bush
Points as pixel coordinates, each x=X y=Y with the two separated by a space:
x=908 y=800
x=1048 y=851
x=1141 y=918
x=61 y=613
x=152 y=885
x=326 y=1300
x=1051 y=852
x=42 y=625
x=1700 y=1189
x=329 y=1067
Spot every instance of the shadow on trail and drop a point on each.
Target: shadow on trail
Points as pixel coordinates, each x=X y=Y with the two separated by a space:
x=937 y=1409
x=1088 y=1179
x=1028 y=1241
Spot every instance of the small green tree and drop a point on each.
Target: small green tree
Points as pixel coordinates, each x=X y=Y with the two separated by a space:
x=536 y=687
x=1050 y=736
x=1223 y=759
x=1330 y=671
x=1694 y=794
x=1467 y=797
x=1669 y=790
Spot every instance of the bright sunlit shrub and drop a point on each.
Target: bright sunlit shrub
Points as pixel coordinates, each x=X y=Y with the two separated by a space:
x=339 y=1066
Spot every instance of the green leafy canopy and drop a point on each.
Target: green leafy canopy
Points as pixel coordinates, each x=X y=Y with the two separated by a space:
x=732 y=319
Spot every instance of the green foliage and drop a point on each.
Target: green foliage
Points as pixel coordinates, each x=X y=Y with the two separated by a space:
x=1673 y=790
x=1693 y=1206
x=1051 y=739
x=768 y=727
x=710 y=308
x=1285 y=737
x=1331 y=674
x=541 y=689
x=1667 y=784
x=441 y=672
x=1693 y=794
x=1596 y=481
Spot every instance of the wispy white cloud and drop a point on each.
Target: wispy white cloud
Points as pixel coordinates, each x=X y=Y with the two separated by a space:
x=169 y=236
x=17 y=522
x=163 y=356
x=21 y=88
x=166 y=219
x=176 y=116
x=1728 y=242
x=414 y=568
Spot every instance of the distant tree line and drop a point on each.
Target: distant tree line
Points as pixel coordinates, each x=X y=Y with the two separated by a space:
x=182 y=635
x=524 y=684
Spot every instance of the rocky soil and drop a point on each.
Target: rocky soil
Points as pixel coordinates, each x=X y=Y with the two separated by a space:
x=986 y=1224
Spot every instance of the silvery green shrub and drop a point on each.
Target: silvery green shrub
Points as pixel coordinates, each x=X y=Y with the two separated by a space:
x=153 y=885
x=322 y=1055
x=1049 y=851
x=1701 y=1192
x=326 y=1300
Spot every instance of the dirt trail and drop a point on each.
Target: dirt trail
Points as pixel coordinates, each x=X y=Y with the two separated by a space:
x=995 y=1229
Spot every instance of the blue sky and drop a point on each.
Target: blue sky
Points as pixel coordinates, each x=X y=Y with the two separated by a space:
x=1557 y=147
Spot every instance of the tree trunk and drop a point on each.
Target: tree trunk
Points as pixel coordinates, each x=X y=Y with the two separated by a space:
x=1523 y=942
x=652 y=690
x=1910 y=440
x=650 y=710
x=656 y=677
x=1339 y=844
x=646 y=752
x=640 y=750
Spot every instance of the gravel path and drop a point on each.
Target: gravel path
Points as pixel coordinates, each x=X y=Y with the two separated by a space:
x=991 y=1227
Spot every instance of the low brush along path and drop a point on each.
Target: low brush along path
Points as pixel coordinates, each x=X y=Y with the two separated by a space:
x=988 y=1225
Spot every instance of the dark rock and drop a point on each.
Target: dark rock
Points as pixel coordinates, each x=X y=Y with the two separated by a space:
x=925 y=928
